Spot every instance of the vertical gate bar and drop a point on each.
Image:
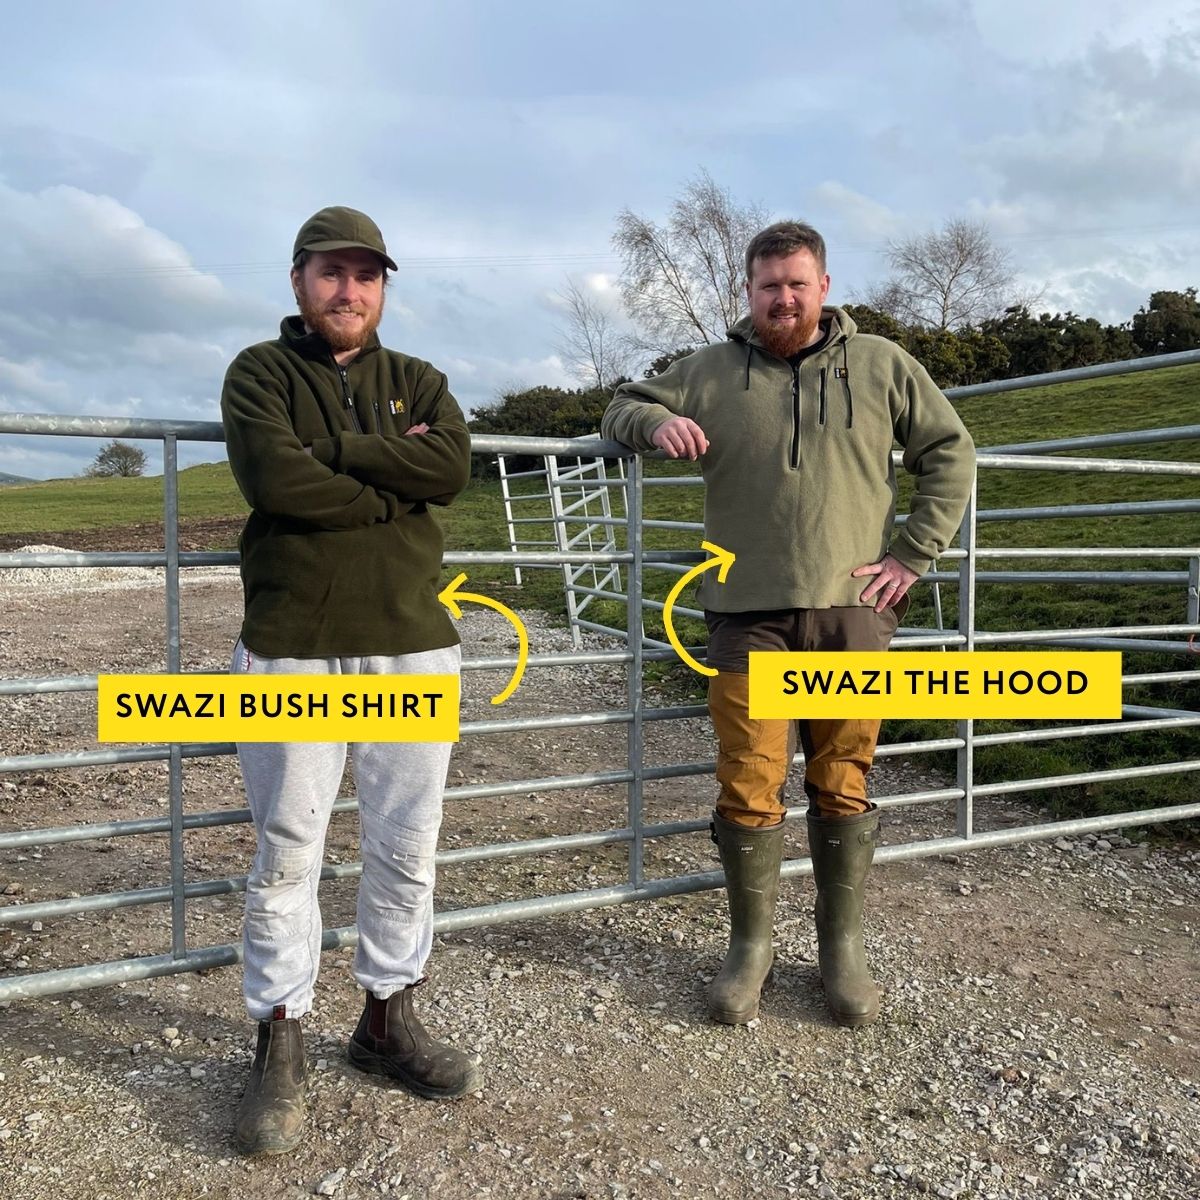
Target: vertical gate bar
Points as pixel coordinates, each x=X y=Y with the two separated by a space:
x=965 y=765
x=558 y=503
x=1193 y=596
x=633 y=623
x=508 y=513
x=175 y=762
x=612 y=578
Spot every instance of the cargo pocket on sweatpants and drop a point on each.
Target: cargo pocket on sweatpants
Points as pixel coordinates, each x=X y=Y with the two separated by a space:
x=398 y=871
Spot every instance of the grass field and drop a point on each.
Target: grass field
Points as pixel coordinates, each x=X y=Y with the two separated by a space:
x=1143 y=401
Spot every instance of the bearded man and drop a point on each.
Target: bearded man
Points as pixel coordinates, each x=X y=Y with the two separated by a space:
x=339 y=447
x=793 y=420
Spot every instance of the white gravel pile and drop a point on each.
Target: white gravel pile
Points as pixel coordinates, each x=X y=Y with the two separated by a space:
x=62 y=580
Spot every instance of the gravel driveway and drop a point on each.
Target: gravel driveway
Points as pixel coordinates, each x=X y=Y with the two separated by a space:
x=1040 y=1034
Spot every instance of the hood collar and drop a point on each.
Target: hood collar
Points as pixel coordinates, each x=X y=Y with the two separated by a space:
x=313 y=345
x=841 y=326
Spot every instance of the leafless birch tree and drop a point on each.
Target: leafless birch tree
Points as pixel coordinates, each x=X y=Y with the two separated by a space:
x=682 y=281
x=590 y=341
x=946 y=278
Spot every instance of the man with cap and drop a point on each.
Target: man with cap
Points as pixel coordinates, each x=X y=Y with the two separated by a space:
x=340 y=447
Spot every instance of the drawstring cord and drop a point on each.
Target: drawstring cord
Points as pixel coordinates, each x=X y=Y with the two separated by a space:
x=849 y=393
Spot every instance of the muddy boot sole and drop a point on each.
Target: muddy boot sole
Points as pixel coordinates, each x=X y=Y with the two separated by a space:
x=724 y=1015
x=851 y=1020
x=256 y=1147
x=379 y=1064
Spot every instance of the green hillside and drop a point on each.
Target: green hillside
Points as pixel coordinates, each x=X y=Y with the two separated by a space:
x=61 y=504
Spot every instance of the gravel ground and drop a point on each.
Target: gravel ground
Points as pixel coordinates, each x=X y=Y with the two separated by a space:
x=1039 y=1036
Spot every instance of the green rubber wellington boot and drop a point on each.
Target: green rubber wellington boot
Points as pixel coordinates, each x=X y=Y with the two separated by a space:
x=842 y=849
x=750 y=858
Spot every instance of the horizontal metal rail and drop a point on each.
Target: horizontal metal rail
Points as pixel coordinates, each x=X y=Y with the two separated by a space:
x=72 y=979
x=1147 y=719
x=1100 y=441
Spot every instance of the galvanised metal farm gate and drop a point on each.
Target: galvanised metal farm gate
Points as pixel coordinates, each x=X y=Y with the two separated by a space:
x=961 y=568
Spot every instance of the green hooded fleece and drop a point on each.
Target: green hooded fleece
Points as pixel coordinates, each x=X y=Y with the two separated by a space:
x=799 y=481
x=341 y=555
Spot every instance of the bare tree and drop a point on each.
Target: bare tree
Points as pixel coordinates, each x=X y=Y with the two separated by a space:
x=946 y=278
x=682 y=282
x=590 y=343
x=117 y=458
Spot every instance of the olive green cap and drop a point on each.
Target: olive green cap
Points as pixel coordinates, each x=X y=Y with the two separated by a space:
x=341 y=229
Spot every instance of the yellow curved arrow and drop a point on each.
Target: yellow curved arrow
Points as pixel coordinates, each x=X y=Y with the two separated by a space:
x=450 y=596
x=722 y=559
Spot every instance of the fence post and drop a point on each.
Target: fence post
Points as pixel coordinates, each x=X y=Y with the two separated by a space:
x=175 y=760
x=965 y=765
x=633 y=624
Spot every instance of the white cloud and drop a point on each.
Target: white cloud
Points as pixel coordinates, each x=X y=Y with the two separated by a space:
x=102 y=314
x=45 y=457
x=860 y=219
x=1113 y=130
x=83 y=258
x=1033 y=30
x=21 y=382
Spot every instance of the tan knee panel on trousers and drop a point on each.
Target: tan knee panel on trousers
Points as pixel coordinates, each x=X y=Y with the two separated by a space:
x=837 y=757
x=753 y=758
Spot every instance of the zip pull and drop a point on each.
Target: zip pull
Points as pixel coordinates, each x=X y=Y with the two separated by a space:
x=348 y=397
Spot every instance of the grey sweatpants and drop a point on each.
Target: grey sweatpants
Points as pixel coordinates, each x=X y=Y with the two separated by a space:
x=291 y=788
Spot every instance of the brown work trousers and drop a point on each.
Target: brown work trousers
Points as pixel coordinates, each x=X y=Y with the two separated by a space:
x=753 y=756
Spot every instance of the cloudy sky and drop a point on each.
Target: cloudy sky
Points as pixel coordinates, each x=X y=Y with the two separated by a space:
x=156 y=161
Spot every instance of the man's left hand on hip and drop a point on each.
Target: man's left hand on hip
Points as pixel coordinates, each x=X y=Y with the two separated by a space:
x=892 y=580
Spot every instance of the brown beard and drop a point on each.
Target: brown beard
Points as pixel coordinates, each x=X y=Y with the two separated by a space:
x=786 y=342
x=340 y=340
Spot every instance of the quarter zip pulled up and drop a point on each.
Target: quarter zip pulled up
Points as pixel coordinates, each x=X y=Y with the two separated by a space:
x=795 y=416
x=348 y=397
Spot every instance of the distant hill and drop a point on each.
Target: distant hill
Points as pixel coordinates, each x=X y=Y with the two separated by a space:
x=4 y=478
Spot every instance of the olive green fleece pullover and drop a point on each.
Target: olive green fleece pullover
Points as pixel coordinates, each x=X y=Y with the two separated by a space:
x=340 y=555
x=799 y=481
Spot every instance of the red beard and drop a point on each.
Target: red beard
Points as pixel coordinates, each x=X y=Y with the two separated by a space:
x=786 y=340
x=339 y=337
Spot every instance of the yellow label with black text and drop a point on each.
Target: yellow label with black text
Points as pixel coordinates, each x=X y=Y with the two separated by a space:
x=961 y=685
x=278 y=708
